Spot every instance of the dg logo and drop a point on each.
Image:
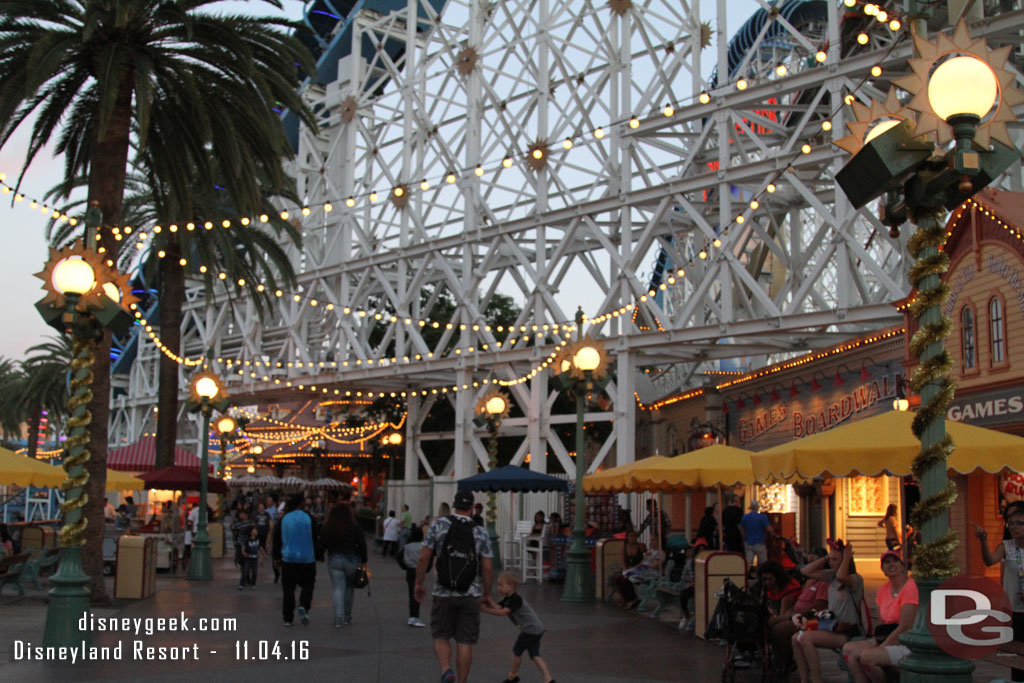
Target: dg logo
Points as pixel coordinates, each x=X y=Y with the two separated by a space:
x=969 y=616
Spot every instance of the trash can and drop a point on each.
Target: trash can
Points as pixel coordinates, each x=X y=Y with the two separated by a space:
x=711 y=568
x=216 y=532
x=135 y=576
x=38 y=538
x=609 y=562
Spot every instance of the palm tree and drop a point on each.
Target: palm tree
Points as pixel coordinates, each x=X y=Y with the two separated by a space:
x=201 y=85
x=45 y=387
x=12 y=381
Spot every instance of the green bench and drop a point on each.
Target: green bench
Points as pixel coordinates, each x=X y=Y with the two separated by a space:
x=10 y=571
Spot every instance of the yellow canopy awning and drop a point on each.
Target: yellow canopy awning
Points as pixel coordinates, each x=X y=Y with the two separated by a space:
x=20 y=470
x=884 y=444
x=710 y=467
x=17 y=469
x=616 y=478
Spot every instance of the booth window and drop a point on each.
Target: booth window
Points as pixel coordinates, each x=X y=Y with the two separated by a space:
x=867 y=496
x=997 y=330
x=967 y=336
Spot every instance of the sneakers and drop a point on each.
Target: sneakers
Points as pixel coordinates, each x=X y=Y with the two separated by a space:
x=511 y=680
x=687 y=624
x=448 y=676
x=417 y=623
x=337 y=622
x=410 y=621
x=303 y=614
x=287 y=623
x=241 y=587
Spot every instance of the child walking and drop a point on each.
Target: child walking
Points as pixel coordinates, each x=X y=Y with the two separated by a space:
x=531 y=628
x=251 y=550
x=408 y=556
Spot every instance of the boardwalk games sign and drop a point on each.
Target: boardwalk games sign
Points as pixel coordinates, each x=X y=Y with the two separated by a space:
x=770 y=423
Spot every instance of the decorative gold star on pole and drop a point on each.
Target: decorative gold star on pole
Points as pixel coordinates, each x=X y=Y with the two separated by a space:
x=868 y=118
x=960 y=43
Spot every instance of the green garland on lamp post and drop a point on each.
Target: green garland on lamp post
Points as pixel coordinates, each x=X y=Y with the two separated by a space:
x=955 y=82
x=490 y=409
x=83 y=296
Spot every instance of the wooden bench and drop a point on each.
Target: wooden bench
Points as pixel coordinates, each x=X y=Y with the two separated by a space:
x=1010 y=655
x=10 y=571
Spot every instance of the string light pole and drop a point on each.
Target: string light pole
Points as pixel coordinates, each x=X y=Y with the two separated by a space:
x=226 y=431
x=83 y=296
x=583 y=366
x=206 y=393
x=955 y=84
x=491 y=409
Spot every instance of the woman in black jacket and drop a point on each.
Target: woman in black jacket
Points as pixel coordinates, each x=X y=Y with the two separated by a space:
x=346 y=553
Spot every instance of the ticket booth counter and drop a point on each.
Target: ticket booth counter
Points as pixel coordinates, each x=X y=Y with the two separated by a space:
x=711 y=568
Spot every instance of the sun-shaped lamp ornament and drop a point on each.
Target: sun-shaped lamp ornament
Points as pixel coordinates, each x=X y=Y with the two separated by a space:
x=491 y=408
x=961 y=91
x=83 y=297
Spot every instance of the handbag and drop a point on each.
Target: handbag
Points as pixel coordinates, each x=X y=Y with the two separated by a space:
x=361 y=579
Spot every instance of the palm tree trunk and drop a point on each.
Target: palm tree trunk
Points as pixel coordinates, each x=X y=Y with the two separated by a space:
x=172 y=298
x=107 y=173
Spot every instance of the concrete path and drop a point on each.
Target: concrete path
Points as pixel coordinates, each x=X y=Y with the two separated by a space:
x=597 y=642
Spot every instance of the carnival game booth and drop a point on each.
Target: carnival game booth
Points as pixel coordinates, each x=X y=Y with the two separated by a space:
x=885 y=445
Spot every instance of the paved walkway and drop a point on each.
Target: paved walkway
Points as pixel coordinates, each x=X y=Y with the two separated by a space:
x=593 y=642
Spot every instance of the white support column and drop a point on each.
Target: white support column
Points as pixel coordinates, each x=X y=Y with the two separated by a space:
x=412 y=439
x=625 y=408
x=464 y=460
x=537 y=423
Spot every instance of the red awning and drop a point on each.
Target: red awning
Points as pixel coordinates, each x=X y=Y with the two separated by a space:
x=141 y=456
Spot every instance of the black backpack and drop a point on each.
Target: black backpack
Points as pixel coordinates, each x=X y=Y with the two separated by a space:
x=457 y=563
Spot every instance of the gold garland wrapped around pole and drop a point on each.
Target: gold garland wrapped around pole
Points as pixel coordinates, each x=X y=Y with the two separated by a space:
x=73 y=531
x=492 y=497
x=69 y=597
x=933 y=558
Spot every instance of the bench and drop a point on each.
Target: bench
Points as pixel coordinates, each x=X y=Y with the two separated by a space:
x=667 y=592
x=1010 y=655
x=46 y=560
x=647 y=591
x=10 y=571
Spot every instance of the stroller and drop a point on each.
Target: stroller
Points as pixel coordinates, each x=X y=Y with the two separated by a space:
x=740 y=620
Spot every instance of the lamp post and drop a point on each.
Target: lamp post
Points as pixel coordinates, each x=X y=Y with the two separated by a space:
x=955 y=83
x=255 y=452
x=392 y=439
x=317 y=451
x=490 y=409
x=83 y=296
x=225 y=429
x=580 y=368
x=207 y=392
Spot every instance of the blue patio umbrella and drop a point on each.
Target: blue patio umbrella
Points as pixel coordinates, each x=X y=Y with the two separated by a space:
x=512 y=478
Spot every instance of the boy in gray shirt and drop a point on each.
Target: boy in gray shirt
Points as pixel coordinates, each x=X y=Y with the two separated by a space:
x=531 y=628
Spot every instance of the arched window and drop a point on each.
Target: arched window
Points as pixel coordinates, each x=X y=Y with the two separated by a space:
x=997 y=330
x=967 y=337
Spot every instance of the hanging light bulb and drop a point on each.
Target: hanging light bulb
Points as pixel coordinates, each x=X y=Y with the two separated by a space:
x=741 y=84
x=350 y=202
x=668 y=111
x=567 y=143
x=882 y=16
x=704 y=97
x=870 y=9
x=634 y=123
x=537 y=154
x=284 y=215
x=599 y=133
x=895 y=25
x=806 y=149
x=264 y=218
x=718 y=242
x=826 y=125
x=450 y=178
x=399 y=191
x=507 y=162
x=305 y=211
x=374 y=196
x=479 y=171
x=754 y=204
x=702 y=254
x=781 y=70
x=424 y=185
x=820 y=56
x=862 y=38
x=770 y=188
x=740 y=219
x=328 y=207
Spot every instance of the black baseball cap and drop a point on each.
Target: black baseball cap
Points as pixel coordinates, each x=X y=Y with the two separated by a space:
x=463 y=500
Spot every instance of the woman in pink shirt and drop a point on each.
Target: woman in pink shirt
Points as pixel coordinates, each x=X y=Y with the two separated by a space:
x=897 y=606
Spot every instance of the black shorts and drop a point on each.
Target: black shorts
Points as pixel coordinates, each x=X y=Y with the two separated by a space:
x=455 y=617
x=527 y=642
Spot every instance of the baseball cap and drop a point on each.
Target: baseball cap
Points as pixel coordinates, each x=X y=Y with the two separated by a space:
x=891 y=553
x=463 y=500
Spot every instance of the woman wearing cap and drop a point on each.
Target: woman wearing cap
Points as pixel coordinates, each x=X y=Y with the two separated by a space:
x=897 y=605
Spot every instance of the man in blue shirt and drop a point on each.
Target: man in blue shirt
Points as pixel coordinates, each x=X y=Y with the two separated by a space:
x=293 y=551
x=755 y=528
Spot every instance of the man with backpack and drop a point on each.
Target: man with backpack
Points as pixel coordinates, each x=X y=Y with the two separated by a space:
x=461 y=552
